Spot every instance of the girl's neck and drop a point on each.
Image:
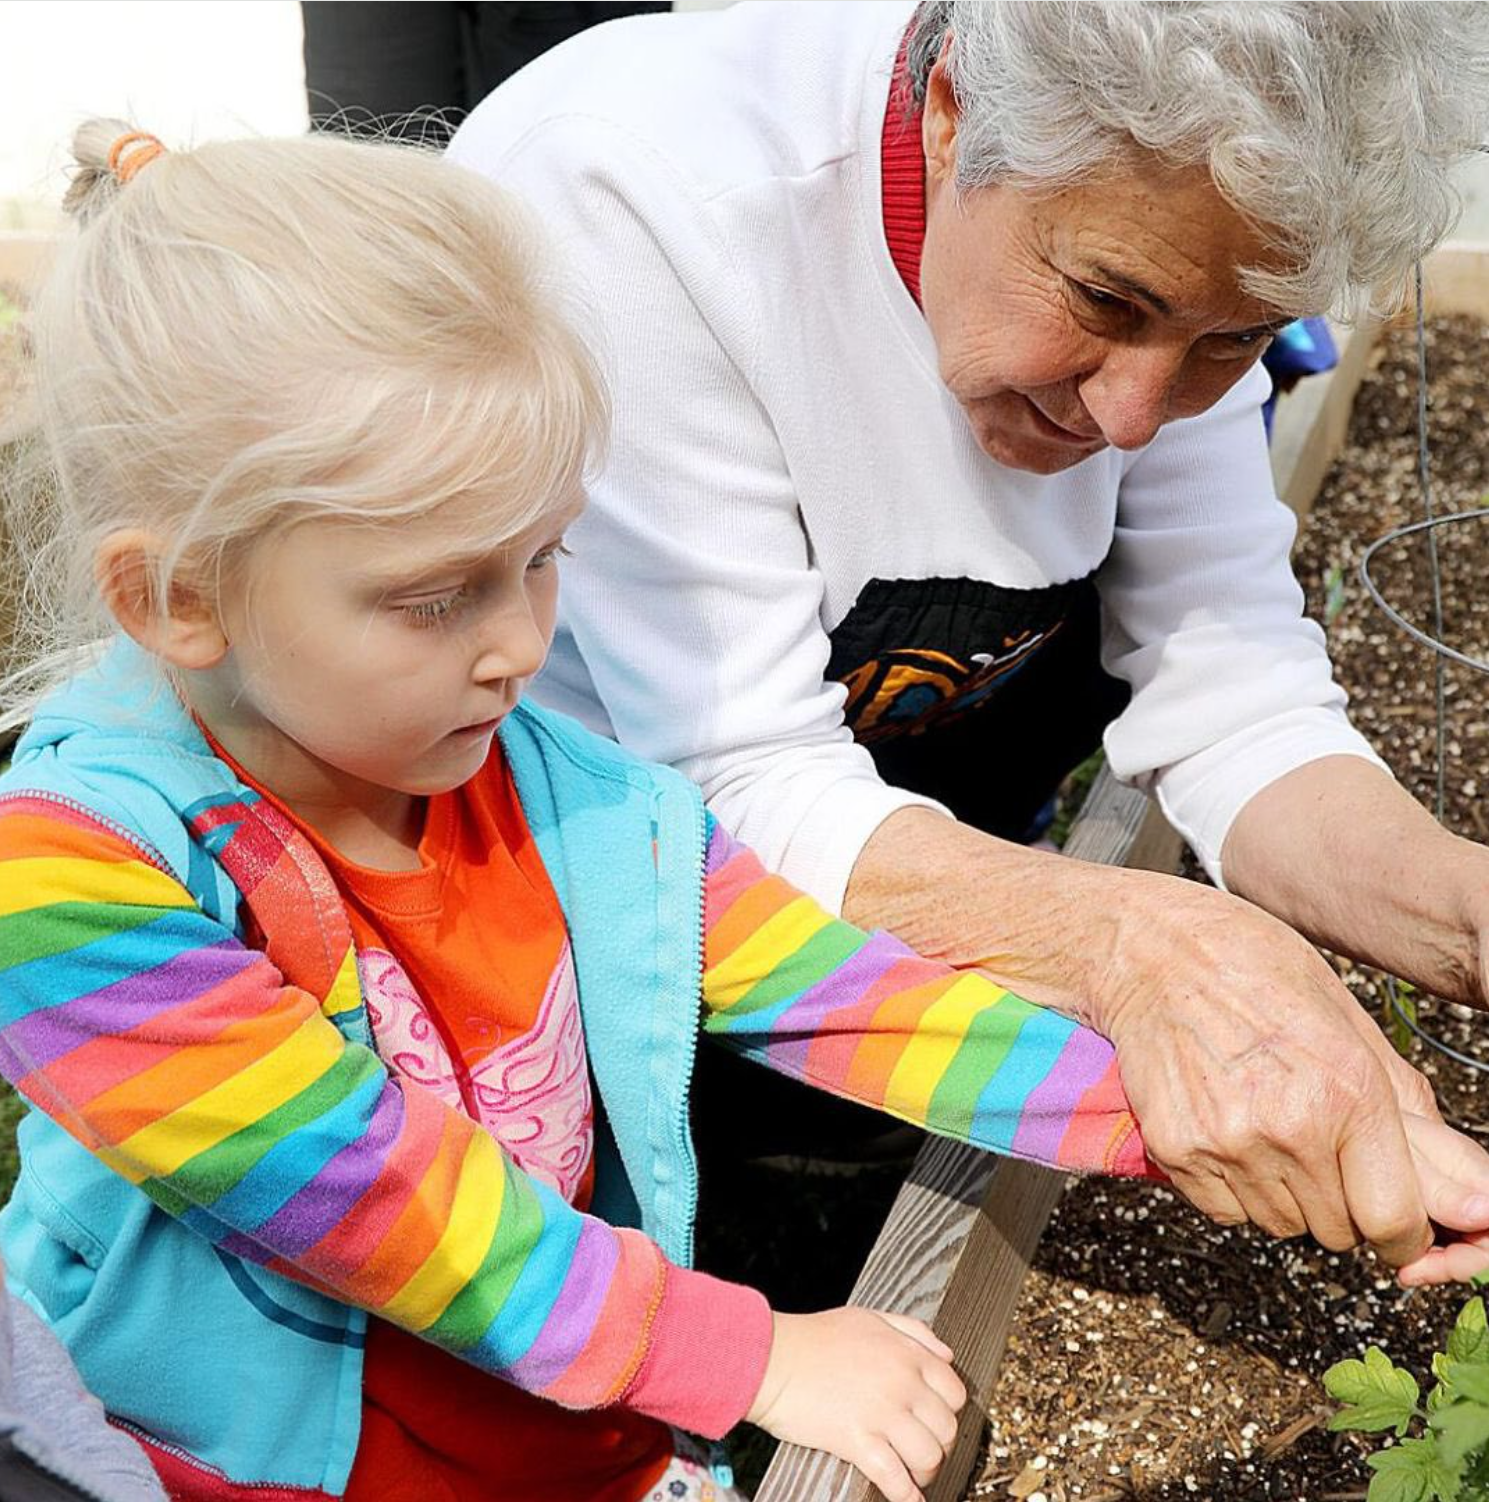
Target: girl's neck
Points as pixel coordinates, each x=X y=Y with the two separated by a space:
x=369 y=825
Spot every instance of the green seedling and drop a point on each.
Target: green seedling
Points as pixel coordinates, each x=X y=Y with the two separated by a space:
x=1398 y=1026
x=1441 y=1453
x=1333 y=594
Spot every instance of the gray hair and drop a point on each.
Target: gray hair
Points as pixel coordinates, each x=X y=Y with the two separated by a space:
x=1331 y=126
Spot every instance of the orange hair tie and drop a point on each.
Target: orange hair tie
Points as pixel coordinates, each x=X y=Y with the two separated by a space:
x=132 y=151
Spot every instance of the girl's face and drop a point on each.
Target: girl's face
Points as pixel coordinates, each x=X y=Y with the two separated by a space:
x=374 y=658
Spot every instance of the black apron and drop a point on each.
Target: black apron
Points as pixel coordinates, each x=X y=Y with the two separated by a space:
x=976 y=695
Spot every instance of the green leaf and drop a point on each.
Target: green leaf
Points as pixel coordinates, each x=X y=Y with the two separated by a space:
x=1466 y=1379
x=1439 y=1397
x=1333 y=594
x=1469 y=1340
x=1461 y=1428
x=1376 y=1394
x=1413 y=1471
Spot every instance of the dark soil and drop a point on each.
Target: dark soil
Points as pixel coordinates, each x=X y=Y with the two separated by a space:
x=1155 y=1356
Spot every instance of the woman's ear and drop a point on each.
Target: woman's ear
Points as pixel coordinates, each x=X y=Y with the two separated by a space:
x=185 y=631
x=939 y=122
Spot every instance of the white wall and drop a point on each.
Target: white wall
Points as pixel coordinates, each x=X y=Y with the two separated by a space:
x=186 y=69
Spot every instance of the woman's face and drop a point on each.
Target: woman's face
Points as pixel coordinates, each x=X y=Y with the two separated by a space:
x=1068 y=322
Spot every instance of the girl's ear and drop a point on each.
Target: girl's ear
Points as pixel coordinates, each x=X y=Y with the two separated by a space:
x=938 y=126
x=186 y=632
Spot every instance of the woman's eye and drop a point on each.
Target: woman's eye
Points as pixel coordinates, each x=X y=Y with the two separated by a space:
x=1245 y=344
x=431 y=612
x=1098 y=297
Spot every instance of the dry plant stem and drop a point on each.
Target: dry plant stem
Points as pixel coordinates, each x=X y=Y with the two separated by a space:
x=1346 y=856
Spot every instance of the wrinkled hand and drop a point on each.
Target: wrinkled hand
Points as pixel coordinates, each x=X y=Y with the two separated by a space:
x=876 y=1390
x=1263 y=1088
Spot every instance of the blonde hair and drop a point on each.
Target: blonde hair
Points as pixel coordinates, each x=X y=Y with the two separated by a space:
x=259 y=332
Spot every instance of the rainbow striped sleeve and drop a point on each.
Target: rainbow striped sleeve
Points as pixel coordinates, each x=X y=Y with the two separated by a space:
x=181 y=1058
x=861 y=1015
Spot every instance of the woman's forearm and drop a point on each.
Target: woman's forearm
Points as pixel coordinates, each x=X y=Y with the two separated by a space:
x=1342 y=853
x=1249 y=1066
x=1044 y=926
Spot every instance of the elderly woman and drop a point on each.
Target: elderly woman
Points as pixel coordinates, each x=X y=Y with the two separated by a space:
x=938 y=458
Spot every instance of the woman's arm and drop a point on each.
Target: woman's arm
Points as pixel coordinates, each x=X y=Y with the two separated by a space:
x=183 y=1059
x=1340 y=850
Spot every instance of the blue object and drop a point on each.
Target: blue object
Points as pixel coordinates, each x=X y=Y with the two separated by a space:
x=1305 y=347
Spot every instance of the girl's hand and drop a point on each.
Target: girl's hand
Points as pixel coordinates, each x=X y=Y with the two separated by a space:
x=876 y=1390
x=1453 y=1176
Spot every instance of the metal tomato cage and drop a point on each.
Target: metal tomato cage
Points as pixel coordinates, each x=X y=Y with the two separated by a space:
x=1428 y=527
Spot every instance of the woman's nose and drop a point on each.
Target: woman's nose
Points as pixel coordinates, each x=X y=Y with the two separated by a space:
x=1130 y=394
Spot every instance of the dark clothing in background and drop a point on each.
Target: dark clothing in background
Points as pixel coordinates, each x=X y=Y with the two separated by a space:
x=370 y=67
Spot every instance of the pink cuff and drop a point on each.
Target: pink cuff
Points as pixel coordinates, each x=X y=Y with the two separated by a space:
x=709 y=1346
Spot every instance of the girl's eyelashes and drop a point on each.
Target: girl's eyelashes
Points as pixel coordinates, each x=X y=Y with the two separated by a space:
x=550 y=554
x=432 y=612
x=439 y=608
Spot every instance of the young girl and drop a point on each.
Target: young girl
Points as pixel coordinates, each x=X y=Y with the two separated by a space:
x=358 y=999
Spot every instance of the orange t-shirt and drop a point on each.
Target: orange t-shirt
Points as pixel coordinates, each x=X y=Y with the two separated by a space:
x=469 y=983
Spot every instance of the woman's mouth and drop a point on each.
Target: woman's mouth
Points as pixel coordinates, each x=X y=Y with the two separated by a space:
x=1056 y=432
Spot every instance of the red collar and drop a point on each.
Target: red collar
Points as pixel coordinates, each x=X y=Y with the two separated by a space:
x=902 y=178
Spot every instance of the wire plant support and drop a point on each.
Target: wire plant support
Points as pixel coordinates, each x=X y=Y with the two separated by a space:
x=1428 y=528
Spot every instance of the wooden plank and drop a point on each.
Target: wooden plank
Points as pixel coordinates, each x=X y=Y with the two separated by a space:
x=958 y=1240
x=1457 y=279
x=1312 y=420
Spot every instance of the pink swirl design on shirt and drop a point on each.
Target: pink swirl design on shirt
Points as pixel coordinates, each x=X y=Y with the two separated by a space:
x=532 y=1093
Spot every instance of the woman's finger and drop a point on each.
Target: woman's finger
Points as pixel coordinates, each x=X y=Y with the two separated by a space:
x=1386 y=1206
x=1457 y=1262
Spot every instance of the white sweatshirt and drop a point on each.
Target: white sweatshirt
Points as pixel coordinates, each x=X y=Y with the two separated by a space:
x=782 y=440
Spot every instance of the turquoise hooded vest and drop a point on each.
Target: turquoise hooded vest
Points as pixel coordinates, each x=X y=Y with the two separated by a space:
x=170 y=1333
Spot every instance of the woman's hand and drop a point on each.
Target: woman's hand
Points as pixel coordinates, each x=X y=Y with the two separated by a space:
x=876 y=1390
x=1262 y=1087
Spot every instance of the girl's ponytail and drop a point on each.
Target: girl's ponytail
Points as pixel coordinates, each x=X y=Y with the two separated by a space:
x=106 y=155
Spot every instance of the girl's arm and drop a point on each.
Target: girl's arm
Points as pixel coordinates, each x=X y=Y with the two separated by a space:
x=181 y=1058
x=863 y=1016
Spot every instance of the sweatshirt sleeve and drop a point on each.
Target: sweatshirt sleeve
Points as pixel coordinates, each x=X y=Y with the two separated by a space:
x=1232 y=686
x=182 y=1058
x=863 y=1016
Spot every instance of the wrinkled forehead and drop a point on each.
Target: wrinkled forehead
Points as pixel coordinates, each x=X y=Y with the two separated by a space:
x=1166 y=237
